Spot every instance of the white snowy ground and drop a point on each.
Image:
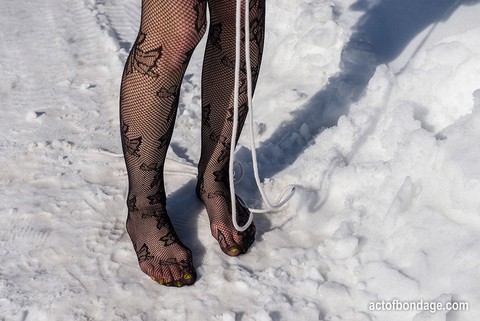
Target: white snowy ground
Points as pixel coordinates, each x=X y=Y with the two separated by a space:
x=372 y=107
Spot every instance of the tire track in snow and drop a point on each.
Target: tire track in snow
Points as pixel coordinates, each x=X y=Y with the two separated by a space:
x=59 y=104
x=99 y=76
x=27 y=61
x=122 y=18
x=62 y=59
x=25 y=235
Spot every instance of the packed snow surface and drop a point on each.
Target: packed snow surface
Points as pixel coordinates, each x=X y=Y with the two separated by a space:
x=371 y=107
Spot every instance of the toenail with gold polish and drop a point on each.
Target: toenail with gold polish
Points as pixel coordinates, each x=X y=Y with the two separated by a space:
x=187 y=276
x=160 y=281
x=234 y=249
x=179 y=284
x=153 y=278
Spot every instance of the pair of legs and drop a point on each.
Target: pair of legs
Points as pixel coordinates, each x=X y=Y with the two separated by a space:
x=169 y=32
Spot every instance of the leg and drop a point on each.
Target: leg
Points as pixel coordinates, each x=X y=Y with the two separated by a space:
x=149 y=96
x=217 y=119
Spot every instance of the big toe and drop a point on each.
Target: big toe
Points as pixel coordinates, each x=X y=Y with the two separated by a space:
x=234 y=243
x=183 y=273
x=171 y=272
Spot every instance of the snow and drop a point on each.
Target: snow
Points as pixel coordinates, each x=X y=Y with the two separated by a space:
x=379 y=123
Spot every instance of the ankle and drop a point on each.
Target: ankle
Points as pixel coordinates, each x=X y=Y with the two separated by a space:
x=209 y=188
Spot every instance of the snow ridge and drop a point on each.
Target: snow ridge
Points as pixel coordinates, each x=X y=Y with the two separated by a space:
x=371 y=106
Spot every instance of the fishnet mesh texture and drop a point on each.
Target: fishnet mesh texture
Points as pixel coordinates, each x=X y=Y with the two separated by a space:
x=169 y=32
x=217 y=118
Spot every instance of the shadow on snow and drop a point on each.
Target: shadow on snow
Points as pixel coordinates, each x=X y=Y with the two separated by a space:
x=379 y=36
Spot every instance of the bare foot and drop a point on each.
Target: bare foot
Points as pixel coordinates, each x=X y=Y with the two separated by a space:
x=161 y=255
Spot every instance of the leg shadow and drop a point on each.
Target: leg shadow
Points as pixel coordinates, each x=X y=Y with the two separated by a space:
x=184 y=211
x=380 y=36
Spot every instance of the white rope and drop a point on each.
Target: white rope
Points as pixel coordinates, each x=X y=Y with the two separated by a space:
x=290 y=189
x=235 y=116
x=288 y=192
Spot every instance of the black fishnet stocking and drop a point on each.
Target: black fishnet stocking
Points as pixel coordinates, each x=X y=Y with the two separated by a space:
x=217 y=118
x=169 y=32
